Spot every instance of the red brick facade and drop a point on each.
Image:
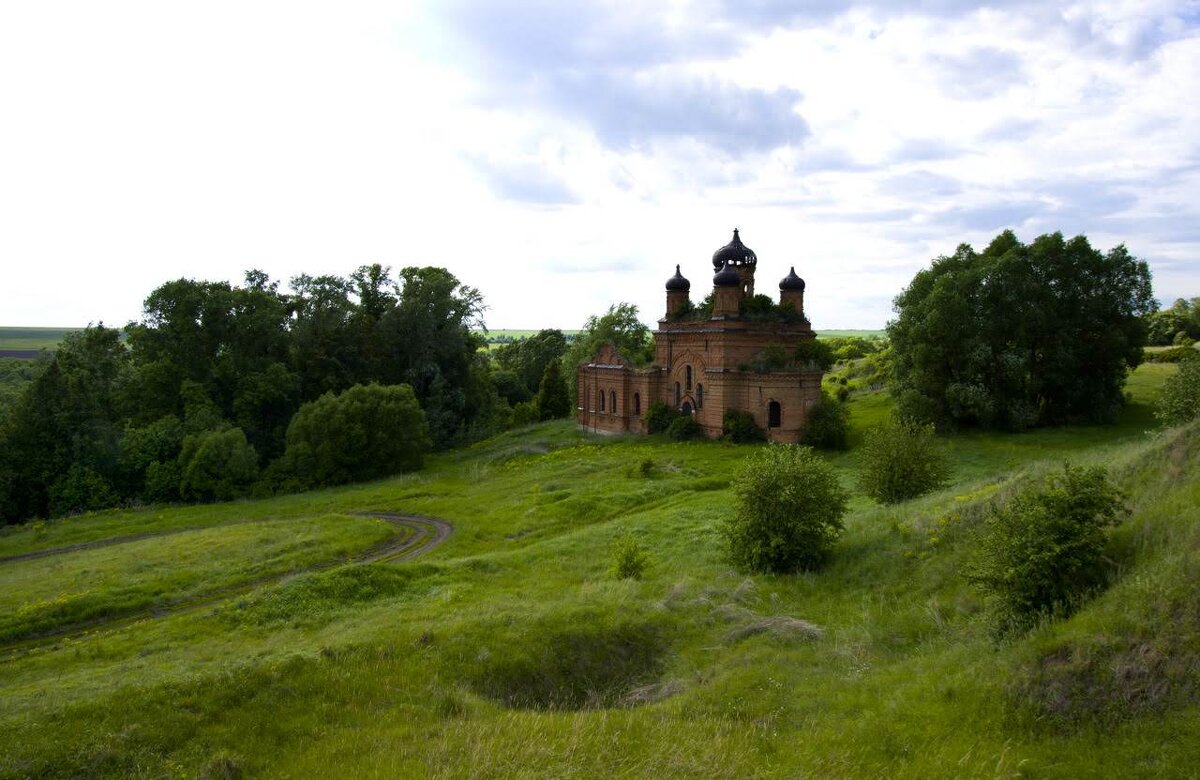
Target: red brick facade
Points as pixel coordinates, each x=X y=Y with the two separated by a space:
x=706 y=364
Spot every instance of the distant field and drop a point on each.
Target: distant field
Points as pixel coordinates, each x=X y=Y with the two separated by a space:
x=841 y=334
x=31 y=339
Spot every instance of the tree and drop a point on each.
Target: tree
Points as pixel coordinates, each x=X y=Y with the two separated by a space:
x=367 y=432
x=1044 y=552
x=529 y=357
x=621 y=327
x=59 y=442
x=552 y=399
x=789 y=511
x=901 y=461
x=827 y=425
x=1020 y=335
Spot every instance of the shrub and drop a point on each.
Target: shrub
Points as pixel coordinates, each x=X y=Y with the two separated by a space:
x=1043 y=553
x=629 y=560
x=659 y=417
x=900 y=462
x=789 y=511
x=738 y=426
x=827 y=425
x=814 y=354
x=684 y=427
x=216 y=465
x=552 y=399
x=1180 y=399
x=367 y=432
x=524 y=413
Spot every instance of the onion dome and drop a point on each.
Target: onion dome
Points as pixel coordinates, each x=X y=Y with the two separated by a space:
x=791 y=281
x=677 y=283
x=735 y=253
x=727 y=277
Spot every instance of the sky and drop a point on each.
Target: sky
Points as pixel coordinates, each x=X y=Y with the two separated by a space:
x=564 y=156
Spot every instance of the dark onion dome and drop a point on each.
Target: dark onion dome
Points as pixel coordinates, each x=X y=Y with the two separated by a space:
x=734 y=253
x=791 y=281
x=677 y=283
x=727 y=277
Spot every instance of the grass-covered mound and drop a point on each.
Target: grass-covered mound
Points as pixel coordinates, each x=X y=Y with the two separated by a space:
x=513 y=650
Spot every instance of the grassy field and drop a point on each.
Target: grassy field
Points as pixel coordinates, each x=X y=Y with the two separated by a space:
x=32 y=338
x=512 y=651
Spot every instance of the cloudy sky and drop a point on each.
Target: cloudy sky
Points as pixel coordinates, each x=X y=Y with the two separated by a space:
x=562 y=156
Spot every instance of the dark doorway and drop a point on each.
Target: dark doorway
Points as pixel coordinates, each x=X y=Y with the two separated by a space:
x=612 y=398
x=774 y=415
x=686 y=408
x=637 y=403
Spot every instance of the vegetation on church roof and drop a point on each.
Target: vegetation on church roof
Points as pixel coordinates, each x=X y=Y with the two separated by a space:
x=759 y=308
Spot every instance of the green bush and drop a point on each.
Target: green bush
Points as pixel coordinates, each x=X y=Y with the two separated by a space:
x=900 y=462
x=827 y=425
x=789 y=511
x=629 y=560
x=525 y=413
x=814 y=354
x=659 y=417
x=216 y=465
x=552 y=399
x=1180 y=399
x=367 y=432
x=684 y=427
x=738 y=426
x=1043 y=553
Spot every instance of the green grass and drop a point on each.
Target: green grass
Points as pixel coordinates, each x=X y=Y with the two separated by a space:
x=512 y=651
x=841 y=334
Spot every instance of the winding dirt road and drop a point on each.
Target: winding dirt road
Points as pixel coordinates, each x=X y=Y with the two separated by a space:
x=426 y=534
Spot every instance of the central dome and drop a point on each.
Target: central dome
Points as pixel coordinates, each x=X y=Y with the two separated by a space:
x=734 y=253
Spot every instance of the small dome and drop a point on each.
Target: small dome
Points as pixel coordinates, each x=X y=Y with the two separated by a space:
x=727 y=277
x=677 y=282
x=791 y=281
x=735 y=253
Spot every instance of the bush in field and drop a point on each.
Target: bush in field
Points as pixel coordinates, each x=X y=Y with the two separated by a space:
x=525 y=413
x=659 y=417
x=1180 y=399
x=827 y=425
x=684 y=427
x=789 y=511
x=900 y=462
x=1043 y=553
x=629 y=559
x=367 y=432
x=739 y=426
x=216 y=465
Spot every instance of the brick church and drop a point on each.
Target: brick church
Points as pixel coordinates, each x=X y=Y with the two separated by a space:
x=734 y=350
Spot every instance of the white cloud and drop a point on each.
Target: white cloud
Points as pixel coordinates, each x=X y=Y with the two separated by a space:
x=564 y=165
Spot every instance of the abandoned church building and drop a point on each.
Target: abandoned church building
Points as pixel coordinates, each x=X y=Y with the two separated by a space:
x=734 y=350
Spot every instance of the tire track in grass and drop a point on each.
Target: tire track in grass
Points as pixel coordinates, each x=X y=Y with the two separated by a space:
x=426 y=534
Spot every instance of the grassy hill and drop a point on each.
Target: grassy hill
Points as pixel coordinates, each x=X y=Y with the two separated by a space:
x=31 y=339
x=226 y=639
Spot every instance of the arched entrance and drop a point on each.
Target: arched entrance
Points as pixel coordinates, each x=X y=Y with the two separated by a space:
x=686 y=408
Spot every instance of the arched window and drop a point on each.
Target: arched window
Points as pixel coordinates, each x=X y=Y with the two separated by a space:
x=600 y=402
x=637 y=403
x=612 y=397
x=687 y=373
x=678 y=395
x=774 y=415
x=699 y=396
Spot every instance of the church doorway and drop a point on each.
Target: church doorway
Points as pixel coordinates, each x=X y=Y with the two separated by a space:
x=774 y=415
x=686 y=408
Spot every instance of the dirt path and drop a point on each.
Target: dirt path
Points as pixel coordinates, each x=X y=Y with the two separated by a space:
x=426 y=534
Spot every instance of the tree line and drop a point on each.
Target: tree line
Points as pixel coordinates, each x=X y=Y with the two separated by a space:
x=221 y=390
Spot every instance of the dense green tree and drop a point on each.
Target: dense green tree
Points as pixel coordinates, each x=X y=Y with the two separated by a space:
x=59 y=442
x=552 y=399
x=1020 y=335
x=1180 y=321
x=528 y=358
x=367 y=432
x=323 y=343
x=620 y=326
x=827 y=425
